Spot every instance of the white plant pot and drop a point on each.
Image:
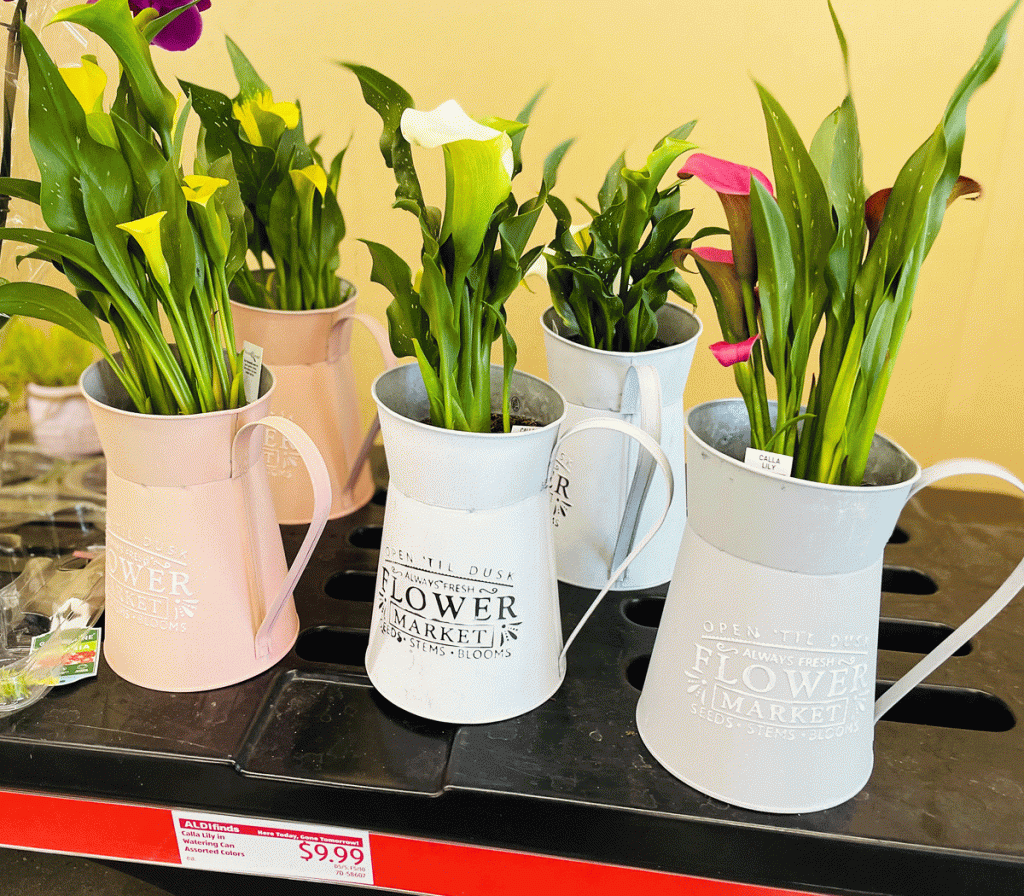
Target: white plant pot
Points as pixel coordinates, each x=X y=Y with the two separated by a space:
x=466 y=625
x=60 y=421
x=643 y=388
x=761 y=687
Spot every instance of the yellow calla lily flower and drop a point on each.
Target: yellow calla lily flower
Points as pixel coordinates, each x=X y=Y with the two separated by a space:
x=287 y=112
x=199 y=188
x=147 y=234
x=247 y=119
x=312 y=173
x=246 y=114
x=581 y=236
x=87 y=82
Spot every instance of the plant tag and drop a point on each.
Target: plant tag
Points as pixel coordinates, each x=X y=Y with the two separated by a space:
x=779 y=464
x=73 y=656
x=520 y=428
x=272 y=848
x=252 y=367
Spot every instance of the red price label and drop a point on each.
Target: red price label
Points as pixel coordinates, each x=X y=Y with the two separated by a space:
x=273 y=848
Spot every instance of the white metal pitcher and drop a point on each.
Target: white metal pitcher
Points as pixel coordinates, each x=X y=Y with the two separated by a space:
x=760 y=690
x=595 y=528
x=466 y=625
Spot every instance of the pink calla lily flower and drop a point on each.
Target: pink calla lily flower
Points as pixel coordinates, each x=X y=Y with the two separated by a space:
x=732 y=183
x=713 y=255
x=729 y=353
x=722 y=176
x=722 y=279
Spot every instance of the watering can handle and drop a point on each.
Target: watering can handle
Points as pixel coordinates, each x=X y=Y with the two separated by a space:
x=384 y=343
x=321 y=480
x=641 y=396
x=654 y=449
x=984 y=614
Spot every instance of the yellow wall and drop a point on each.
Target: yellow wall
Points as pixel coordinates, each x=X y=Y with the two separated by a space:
x=620 y=75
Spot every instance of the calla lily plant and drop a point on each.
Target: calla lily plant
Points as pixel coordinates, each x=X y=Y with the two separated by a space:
x=295 y=221
x=142 y=245
x=817 y=249
x=609 y=278
x=474 y=252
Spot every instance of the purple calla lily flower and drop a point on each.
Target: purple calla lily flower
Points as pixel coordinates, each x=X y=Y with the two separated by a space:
x=184 y=31
x=874 y=207
x=729 y=353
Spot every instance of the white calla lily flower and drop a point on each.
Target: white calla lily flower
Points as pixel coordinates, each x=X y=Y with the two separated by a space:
x=449 y=123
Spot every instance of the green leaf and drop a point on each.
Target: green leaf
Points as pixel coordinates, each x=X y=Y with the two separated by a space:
x=552 y=163
x=51 y=304
x=509 y=356
x=440 y=308
x=56 y=127
x=804 y=204
x=389 y=101
x=517 y=136
x=642 y=190
x=152 y=23
x=62 y=246
x=668 y=149
x=776 y=275
x=17 y=188
x=843 y=48
x=144 y=161
x=563 y=216
x=836 y=152
x=560 y=285
x=588 y=314
x=178 y=137
x=681 y=288
x=66 y=153
x=111 y=243
x=660 y=243
x=605 y=228
x=432 y=386
x=954 y=121
x=334 y=172
x=124 y=105
x=876 y=340
x=679 y=133
x=111 y=21
x=612 y=190
x=641 y=326
x=250 y=83
x=406 y=319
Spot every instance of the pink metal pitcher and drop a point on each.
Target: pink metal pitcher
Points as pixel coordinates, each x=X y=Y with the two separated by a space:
x=198 y=591
x=309 y=353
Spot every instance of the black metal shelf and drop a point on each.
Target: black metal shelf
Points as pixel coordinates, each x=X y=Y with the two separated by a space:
x=311 y=741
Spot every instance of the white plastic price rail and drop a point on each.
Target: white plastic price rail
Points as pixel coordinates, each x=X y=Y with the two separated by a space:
x=270 y=848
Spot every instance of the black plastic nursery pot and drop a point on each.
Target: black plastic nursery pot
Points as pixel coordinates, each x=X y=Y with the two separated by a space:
x=565 y=797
